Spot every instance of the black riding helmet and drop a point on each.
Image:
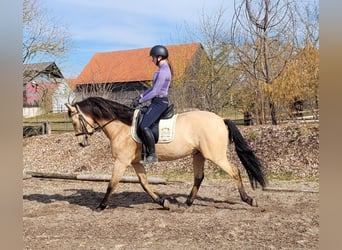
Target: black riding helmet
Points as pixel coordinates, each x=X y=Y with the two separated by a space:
x=159 y=50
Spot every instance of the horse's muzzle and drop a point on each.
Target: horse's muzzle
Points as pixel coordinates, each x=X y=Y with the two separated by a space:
x=84 y=142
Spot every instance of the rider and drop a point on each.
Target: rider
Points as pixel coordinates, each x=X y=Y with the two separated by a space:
x=158 y=94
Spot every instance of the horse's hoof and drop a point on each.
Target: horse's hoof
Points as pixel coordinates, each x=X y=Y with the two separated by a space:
x=166 y=204
x=254 y=203
x=100 y=208
x=188 y=203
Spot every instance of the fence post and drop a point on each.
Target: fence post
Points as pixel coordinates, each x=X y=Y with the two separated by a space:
x=47 y=126
x=247 y=118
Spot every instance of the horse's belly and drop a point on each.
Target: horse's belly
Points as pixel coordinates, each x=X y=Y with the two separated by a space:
x=184 y=143
x=195 y=131
x=172 y=151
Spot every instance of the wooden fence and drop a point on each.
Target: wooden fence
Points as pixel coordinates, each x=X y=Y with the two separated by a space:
x=57 y=127
x=50 y=127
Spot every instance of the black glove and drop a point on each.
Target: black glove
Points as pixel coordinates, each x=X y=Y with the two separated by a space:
x=135 y=102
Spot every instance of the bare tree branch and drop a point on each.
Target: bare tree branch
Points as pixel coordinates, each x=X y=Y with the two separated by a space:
x=42 y=33
x=263 y=34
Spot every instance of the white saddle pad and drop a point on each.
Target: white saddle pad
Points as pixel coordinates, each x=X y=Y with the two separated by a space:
x=166 y=129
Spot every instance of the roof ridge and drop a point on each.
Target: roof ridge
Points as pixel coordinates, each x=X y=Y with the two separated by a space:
x=135 y=49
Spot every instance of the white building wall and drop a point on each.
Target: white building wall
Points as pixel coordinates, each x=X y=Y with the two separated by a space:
x=32 y=111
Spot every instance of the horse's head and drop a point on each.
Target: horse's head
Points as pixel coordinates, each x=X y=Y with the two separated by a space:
x=83 y=124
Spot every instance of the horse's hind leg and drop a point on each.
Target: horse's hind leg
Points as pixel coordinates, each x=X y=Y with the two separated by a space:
x=141 y=173
x=234 y=172
x=198 y=165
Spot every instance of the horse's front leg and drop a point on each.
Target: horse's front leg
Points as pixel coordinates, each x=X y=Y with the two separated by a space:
x=141 y=173
x=118 y=171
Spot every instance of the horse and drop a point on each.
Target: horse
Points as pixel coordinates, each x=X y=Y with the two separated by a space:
x=202 y=134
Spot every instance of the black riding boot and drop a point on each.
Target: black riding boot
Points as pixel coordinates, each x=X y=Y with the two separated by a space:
x=150 y=146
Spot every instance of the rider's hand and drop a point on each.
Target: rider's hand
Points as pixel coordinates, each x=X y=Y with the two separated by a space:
x=135 y=102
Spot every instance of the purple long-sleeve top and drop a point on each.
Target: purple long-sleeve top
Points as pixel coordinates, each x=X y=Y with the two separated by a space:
x=161 y=83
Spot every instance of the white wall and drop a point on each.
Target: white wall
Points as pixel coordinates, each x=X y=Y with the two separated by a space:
x=62 y=95
x=32 y=111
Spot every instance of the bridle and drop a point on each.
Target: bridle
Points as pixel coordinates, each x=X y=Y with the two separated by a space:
x=83 y=122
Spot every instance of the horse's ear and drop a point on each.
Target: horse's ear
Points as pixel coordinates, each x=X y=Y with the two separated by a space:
x=77 y=107
x=70 y=107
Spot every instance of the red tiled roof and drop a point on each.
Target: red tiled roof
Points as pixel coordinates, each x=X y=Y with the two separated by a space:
x=71 y=82
x=133 y=65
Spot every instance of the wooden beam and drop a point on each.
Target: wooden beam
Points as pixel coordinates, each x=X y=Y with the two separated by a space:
x=92 y=177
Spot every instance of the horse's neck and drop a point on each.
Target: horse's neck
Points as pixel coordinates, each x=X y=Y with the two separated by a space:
x=114 y=129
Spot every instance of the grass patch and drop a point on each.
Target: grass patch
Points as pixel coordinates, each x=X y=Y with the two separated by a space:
x=253 y=134
x=289 y=176
x=218 y=174
x=178 y=174
x=51 y=117
x=232 y=114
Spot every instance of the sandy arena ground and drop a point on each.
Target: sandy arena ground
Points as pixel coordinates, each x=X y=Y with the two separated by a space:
x=58 y=214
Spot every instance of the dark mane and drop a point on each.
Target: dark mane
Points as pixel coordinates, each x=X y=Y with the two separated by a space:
x=101 y=108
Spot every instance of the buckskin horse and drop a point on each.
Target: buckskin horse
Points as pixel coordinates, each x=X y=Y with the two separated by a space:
x=202 y=134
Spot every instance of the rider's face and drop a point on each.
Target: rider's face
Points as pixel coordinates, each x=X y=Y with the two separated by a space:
x=154 y=59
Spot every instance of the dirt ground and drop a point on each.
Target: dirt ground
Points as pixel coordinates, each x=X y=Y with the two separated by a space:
x=58 y=214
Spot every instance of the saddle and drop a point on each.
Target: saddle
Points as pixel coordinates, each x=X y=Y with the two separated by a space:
x=163 y=129
x=167 y=114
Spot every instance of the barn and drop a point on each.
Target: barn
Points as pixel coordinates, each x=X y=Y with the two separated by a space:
x=44 y=89
x=123 y=75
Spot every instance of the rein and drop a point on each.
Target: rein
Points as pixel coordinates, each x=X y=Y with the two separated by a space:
x=101 y=127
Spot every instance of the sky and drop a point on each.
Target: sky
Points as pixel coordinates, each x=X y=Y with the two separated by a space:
x=112 y=25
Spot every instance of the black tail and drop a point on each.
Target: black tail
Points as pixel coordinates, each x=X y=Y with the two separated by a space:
x=247 y=157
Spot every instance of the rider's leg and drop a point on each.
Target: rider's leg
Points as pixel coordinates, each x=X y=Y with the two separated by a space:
x=157 y=107
x=149 y=141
